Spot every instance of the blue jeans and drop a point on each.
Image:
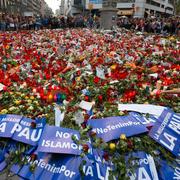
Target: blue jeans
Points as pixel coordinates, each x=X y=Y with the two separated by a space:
x=3 y=26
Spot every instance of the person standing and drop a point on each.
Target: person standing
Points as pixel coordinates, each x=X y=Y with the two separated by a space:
x=3 y=23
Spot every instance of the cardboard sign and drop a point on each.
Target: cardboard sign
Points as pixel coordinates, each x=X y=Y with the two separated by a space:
x=58 y=140
x=19 y=128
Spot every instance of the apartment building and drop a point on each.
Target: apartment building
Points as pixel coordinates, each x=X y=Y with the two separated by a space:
x=20 y=6
x=34 y=6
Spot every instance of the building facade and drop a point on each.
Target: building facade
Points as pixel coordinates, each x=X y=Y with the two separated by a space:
x=3 y=5
x=21 y=6
x=145 y=8
x=136 y=8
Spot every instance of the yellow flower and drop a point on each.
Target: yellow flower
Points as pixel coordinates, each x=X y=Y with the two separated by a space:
x=17 y=102
x=123 y=137
x=78 y=78
x=32 y=97
x=81 y=58
x=171 y=38
x=29 y=101
x=114 y=66
x=112 y=146
x=4 y=111
x=146 y=102
x=26 y=97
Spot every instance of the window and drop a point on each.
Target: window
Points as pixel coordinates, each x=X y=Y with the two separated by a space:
x=170 y=1
x=153 y=3
x=169 y=8
x=77 y=2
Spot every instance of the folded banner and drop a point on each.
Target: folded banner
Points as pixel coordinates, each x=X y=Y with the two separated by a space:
x=142 y=108
x=58 y=167
x=21 y=129
x=146 y=167
x=148 y=121
x=112 y=127
x=59 y=140
x=169 y=171
x=166 y=131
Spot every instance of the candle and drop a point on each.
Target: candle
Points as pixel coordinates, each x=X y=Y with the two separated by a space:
x=50 y=97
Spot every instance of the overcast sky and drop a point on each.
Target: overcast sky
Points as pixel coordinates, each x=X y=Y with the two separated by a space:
x=54 y=4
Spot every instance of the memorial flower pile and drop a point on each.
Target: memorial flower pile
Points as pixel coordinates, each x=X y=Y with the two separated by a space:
x=85 y=74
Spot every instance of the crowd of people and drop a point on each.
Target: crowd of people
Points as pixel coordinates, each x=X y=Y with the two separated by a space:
x=151 y=25
x=12 y=22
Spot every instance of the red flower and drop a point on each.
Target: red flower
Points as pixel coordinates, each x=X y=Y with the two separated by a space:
x=100 y=98
x=149 y=127
x=130 y=144
x=83 y=125
x=86 y=98
x=85 y=147
x=96 y=80
x=86 y=117
x=78 y=73
x=130 y=94
x=33 y=157
x=33 y=125
x=5 y=88
x=106 y=156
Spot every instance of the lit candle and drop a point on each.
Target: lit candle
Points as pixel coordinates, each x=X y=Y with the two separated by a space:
x=50 y=97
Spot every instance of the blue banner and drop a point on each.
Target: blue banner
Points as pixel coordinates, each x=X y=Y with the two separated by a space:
x=2 y=160
x=166 y=131
x=21 y=129
x=7 y=122
x=59 y=140
x=146 y=168
x=168 y=171
x=58 y=167
x=112 y=127
x=148 y=121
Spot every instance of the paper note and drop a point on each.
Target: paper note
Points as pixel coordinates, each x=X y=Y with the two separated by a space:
x=155 y=75
x=86 y=105
x=100 y=73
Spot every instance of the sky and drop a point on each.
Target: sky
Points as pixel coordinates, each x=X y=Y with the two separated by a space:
x=53 y=4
